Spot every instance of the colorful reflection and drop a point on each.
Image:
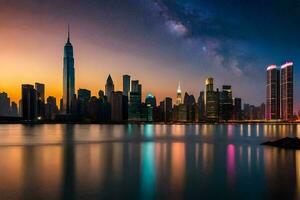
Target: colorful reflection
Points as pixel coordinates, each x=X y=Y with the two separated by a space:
x=65 y=163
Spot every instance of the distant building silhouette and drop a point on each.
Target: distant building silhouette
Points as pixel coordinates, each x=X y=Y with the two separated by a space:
x=84 y=96
x=4 y=104
x=126 y=85
x=40 y=89
x=226 y=104
x=237 y=109
x=51 y=108
x=29 y=102
x=109 y=87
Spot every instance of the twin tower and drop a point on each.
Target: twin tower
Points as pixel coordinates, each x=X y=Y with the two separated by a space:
x=280 y=92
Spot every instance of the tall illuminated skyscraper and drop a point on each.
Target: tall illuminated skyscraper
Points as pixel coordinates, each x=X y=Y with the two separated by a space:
x=287 y=92
x=273 y=93
x=211 y=101
x=68 y=76
x=178 y=98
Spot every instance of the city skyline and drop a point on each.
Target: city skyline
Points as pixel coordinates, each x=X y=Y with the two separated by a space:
x=141 y=49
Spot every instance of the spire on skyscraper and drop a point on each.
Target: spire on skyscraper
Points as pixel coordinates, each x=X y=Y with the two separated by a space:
x=179 y=89
x=68 y=33
x=178 y=98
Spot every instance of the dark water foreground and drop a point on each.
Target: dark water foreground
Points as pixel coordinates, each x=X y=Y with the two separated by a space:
x=147 y=162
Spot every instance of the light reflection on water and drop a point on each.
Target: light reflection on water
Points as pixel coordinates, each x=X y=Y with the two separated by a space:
x=147 y=162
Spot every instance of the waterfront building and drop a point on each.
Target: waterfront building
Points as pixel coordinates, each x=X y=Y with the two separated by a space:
x=40 y=90
x=84 y=97
x=211 y=101
x=178 y=97
x=13 y=109
x=273 y=93
x=134 y=108
x=51 y=109
x=68 y=77
x=104 y=108
x=150 y=100
x=29 y=102
x=109 y=87
x=287 y=93
x=4 y=104
x=237 y=109
x=117 y=106
x=226 y=103
x=168 y=109
x=201 y=107
x=126 y=85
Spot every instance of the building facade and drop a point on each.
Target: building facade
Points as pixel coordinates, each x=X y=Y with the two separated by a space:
x=273 y=93
x=287 y=92
x=68 y=76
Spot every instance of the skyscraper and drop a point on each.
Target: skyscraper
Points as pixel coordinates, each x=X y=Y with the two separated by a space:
x=126 y=85
x=40 y=90
x=201 y=107
x=273 y=93
x=109 y=87
x=178 y=97
x=68 y=76
x=29 y=102
x=134 y=112
x=211 y=101
x=168 y=109
x=226 y=103
x=84 y=96
x=117 y=106
x=287 y=92
x=237 y=109
x=4 y=104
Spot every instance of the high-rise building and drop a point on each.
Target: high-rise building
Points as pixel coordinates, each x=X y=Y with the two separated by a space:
x=126 y=85
x=150 y=102
x=237 y=109
x=13 y=109
x=109 y=87
x=40 y=90
x=68 y=76
x=117 y=106
x=287 y=92
x=4 y=104
x=201 y=107
x=168 y=109
x=84 y=96
x=134 y=86
x=226 y=104
x=273 y=93
x=51 y=108
x=29 y=102
x=178 y=97
x=211 y=101
x=209 y=84
x=135 y=103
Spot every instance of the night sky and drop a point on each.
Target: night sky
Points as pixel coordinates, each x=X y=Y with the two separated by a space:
x=158 y=42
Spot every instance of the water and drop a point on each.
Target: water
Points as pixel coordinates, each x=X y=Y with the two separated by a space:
x=147 y=162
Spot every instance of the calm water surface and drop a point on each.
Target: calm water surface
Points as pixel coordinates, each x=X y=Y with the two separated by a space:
x=147 y=162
